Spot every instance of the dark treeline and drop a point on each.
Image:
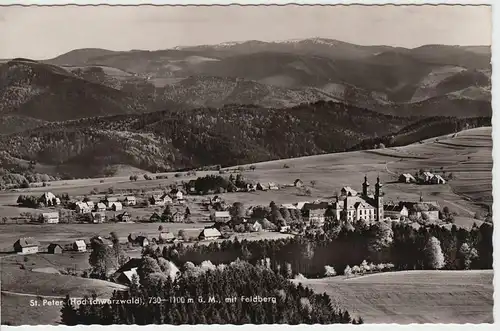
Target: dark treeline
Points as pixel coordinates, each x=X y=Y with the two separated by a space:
x=399 y=244
x=293 y=304
x=423 y=129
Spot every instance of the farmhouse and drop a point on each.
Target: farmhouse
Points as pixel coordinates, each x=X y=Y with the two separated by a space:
x=298 y=183
x=407 y=178
x=251 y=187
x=347 y=191
x=139 y=239
x=209 y=234
x=100 y=207
x=91 y=204
x=262 y=187
x=155 y=218
x=273 y=186
x=396 y=211
x=176 y=195
x=26 y=245
x=79 y=246
x=99 y=217
x=256 y=226
x=295 y=206
x=124 y=217
x=49 y=199
x=116 y=206
x=55 y=249
x=103 y=241
x=431 y=215
x=177 y=217
x=437 y=179
x=160 y=200
x=50 y=218
x=221 y=216
x=285 y=228
x=130 y=201
x=314 y=213
x=125 y=277
x=166 y=237
x=82 y=208
x=426 y=176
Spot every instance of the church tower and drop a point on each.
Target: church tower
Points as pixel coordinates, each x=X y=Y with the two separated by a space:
x=379 y=200
x=365 y=187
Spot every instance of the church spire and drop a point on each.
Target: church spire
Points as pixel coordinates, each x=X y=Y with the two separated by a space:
x=365 y=187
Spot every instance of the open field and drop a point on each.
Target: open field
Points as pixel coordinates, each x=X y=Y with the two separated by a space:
x=21 y=286
x=16 y=306
x=405 y=297
x=467 y=155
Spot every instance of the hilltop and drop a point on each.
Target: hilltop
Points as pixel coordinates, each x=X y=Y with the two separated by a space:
x=388 y=79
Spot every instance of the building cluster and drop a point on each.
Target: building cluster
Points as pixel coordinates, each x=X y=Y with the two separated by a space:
x=29 y=245
x=425 y=177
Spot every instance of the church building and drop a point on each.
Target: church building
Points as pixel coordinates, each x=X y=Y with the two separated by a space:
x=352 y=206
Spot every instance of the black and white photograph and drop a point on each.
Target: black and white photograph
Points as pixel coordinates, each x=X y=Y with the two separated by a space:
x=231 y=164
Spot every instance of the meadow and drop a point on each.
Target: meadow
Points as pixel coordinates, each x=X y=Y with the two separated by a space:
x=406 y=297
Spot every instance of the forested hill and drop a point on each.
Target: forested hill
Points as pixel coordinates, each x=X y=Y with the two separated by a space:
x=170 y=140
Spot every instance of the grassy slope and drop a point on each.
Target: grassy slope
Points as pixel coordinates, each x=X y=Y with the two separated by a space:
x=414 y=296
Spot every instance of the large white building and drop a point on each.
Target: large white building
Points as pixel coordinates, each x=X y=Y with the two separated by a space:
x=351 y=206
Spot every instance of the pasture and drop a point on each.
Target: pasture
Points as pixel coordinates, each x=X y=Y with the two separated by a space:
x=406 y=297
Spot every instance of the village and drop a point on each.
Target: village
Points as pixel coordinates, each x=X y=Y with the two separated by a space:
x=220 y=220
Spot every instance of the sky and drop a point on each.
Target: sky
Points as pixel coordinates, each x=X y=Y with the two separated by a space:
x=46 y=32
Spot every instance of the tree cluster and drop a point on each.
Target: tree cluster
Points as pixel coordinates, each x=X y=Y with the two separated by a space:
x=197 y=286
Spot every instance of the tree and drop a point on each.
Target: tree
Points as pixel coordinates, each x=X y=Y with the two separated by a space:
x=68 y=313
x=348 y=271
x=381 y=238
x=468 y=255
x=167 y=214
x=253 y=167
x=330 y=271
x=313 y=183
x=434 y=258
x=237 y=212
x=160 y=228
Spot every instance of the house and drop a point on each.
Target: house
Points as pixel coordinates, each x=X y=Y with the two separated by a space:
x=177 y=217
x=209 y=234
x=26 y=245
x=91 y=204
x=126 y=272
x=273 y=186
x=49 y=199
x=142 y=241
x=124 y=217
x=407 y=178
x=427 y=176
x=216 y=199
x=79 y=246
x=298 y=183
x=126 y=277
x=176 y=194
x=437 y=179
x=285 y=228
x=251 y=187
x=262 y=187
x=314 y=213
x=396 y=211
x=130 y=201
x=98 y=217
x=166 y=237
x=256 y=226
x=55 y=249
x=103 y=241
x=221 y=216
x=82 y=208
x=116 y=206
x=155 y=218
x=161 y=200
x=50 y=218
x=347 y=191
x=100 y=207
x=431 y=215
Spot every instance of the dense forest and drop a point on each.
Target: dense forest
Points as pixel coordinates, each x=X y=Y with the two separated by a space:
x=199 y=296
x=401 y=244
x=171 y=140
